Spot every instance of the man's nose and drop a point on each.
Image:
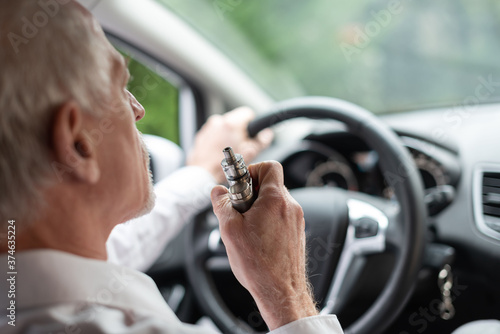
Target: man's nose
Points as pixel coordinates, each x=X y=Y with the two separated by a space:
x=138 y=109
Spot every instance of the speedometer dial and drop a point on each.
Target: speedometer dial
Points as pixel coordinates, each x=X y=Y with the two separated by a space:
x=433 y=174
x=333 y=173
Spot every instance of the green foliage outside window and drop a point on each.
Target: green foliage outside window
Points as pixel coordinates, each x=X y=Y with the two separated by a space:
x=158 y=97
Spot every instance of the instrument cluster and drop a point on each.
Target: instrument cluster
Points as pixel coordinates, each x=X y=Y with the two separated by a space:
x=352 y=165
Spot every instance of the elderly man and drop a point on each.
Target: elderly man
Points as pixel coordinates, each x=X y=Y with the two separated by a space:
x=63 y=191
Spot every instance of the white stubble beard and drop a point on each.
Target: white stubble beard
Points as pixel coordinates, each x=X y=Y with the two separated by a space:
x=151 y=197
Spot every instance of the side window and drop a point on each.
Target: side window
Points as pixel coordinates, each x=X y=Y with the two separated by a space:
x=157 y=89
x=160 y=99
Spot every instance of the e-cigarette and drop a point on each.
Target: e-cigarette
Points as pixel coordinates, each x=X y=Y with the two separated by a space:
x=241 y=191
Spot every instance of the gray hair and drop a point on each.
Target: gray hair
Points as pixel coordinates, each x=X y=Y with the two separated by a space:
x=48 y=54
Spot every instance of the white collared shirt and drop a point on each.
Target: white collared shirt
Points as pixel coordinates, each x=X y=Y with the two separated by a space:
x=58 y=292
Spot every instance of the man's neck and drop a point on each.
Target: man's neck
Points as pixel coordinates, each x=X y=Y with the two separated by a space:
x=77 y=233
x=89 y=246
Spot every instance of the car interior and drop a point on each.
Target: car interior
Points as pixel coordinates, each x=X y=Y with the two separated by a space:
x=386 y=118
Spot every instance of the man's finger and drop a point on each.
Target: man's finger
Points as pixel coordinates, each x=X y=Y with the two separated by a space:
x=241 y=115
x=265 y=137
x=267 y=174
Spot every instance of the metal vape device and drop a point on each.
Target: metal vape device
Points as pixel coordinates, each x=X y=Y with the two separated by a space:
x=241 y=191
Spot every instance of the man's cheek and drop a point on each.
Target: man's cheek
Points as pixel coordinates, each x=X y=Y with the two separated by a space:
x=145 y=152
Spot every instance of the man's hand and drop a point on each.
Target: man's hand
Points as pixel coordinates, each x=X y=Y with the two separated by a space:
x=225 y=130
x=266 y=247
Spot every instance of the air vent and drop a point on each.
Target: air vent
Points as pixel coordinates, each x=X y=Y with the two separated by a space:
x=491 y=194
x=486 y=187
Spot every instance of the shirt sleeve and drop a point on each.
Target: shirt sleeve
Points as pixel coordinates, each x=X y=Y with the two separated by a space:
x=138 y=243
x=320 y=324
x=491 y=326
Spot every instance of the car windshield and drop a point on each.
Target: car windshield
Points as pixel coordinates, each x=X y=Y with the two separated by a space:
x=386 y=56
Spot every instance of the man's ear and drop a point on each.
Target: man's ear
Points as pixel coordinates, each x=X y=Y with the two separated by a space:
x=73 y=149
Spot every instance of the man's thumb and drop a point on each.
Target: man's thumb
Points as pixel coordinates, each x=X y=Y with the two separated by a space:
x=220 y=200
x=218 y=192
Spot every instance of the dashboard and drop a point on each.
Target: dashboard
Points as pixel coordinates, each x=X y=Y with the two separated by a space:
x=341 y=159
x=449 y=154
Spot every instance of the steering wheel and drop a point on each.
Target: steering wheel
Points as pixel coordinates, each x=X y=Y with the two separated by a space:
x=345 y=225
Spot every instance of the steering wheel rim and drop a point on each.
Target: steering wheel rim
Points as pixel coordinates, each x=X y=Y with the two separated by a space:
x=397 y=165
